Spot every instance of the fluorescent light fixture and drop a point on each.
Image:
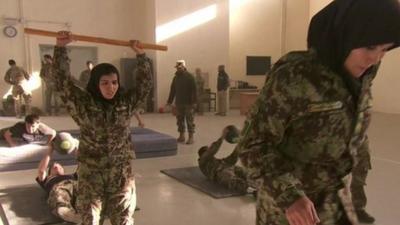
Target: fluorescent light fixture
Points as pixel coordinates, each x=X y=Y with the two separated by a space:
x=185 y=23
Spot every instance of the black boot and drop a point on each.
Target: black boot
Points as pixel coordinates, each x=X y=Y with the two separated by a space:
x=364 y=217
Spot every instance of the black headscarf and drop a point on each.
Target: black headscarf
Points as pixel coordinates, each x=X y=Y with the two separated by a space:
x=93 y=85
x=345 y=25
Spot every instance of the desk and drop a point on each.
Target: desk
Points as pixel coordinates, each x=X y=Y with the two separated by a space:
x=247 y=99
x=234 y=96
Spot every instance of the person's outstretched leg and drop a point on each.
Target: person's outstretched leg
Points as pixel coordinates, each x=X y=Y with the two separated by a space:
x=61 y=200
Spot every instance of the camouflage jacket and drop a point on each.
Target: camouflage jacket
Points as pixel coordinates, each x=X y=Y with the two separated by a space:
x=105 y=138
x=304 y=130
x=210 y=166
x=15 y=75
x=183 y=89
x=84 y=77
x=46 y=74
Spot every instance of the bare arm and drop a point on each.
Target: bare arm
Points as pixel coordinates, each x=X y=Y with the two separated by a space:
x=26 y=75
x=9 y=139
x=139 y=119
x=7 y=77
x=44 y=163
x=49 y=132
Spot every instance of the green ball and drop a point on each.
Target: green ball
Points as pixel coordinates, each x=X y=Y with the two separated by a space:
x=65 y=145
x=232 y=135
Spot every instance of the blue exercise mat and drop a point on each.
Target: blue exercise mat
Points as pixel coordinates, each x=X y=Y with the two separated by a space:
x=147 y=143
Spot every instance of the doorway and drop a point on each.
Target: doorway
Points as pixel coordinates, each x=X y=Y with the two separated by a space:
x=78 y=55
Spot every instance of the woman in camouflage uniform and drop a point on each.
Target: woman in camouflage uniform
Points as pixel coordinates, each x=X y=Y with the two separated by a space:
x=106 y=185
x=304 y=132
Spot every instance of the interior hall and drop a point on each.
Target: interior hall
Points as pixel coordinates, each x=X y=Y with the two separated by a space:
x=247 y=37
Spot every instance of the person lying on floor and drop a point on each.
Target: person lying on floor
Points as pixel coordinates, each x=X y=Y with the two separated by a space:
x=31 y=131
x=60 y=187
x=224 y=171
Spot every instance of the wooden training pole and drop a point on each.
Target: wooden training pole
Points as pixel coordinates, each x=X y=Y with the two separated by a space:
x=95 y=39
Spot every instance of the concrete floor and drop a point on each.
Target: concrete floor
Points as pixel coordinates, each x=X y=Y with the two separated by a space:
x=163 y=200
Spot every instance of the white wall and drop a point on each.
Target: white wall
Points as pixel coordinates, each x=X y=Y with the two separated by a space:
x=265 y=28
x=205 y=46
x=101 y=18
x=255 y=30
x=385 y=89
x=296 y=25
x=315 y=6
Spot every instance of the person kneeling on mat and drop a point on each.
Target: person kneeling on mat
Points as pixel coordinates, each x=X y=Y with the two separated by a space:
x=224 y=171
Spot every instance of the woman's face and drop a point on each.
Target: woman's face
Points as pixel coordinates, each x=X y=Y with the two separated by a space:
x=108 y=85
x=360 y=59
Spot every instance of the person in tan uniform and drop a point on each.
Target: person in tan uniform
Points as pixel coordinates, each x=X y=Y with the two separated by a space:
x=16 y=76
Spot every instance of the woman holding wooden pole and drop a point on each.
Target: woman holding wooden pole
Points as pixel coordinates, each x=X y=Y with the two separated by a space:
x=106 y=185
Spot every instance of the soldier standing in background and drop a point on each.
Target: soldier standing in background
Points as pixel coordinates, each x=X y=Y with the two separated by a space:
x=50 y=91
x=16 y=76
x=200 y=91
x=183 y=87
x=222 y=91
x=85 y=75
x=303 y=135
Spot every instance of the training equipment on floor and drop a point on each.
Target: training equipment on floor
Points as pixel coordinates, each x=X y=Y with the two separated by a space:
x=193 y=177
x=64 y=143
x=147 y=143
x=232 y=135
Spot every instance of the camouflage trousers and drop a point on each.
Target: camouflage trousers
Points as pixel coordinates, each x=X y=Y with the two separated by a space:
x=62 y=199
x=332 y=209
x=359 y=178
x=199 y=103
x=222 y=102
x=232 y=177
x=108 y=192
x=185 y=113
x=51 y=94
x=18 y=93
